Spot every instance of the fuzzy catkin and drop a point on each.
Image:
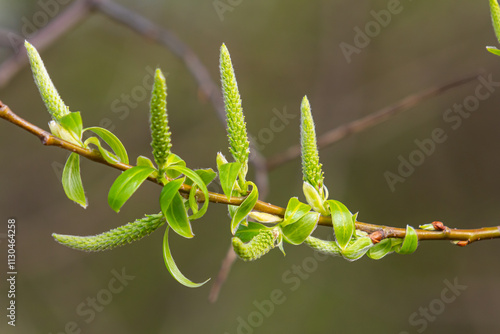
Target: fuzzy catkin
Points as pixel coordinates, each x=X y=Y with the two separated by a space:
x=116 y=237
x=160 y=131
x=259 y=246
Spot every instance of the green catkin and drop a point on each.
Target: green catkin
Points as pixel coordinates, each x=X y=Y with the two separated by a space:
x=323 y=246
x=160 y=131
x=495 y=17
x=311 y=167
x=55 y=105
x=236 y=127
x=259 y=246
x=116 y=237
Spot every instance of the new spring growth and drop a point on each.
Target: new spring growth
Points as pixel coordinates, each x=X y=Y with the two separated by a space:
x=236 y=127
x=495 y=18
x=116 y=237
x=259 y=246
x=55 y=105
x=311 y=167
x=160 y=131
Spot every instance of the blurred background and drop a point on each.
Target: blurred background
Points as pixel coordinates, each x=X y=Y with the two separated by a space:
x=281 y=51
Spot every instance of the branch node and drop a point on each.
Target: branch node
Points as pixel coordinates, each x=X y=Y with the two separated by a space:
x=377 y=236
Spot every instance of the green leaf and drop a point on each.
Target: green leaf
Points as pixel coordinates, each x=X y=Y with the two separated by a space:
x=114 y=143
x=380 y=250
x=126 y=184
x=199 y=182
x=314 y=199
x=72 y=123
x=311 y=168
x=144 y=161
x=227 y=175
x=264 y=217
x=343 y=224
x=174 y=160
x=246 y=233
x=236 y=127
x=107 y=155
x=495 y=17
x=357 y=249
x=168 y=192
x=410 y=242
x=207 y=175
x=177 y=217
x=493 y=50
x=299 y=231
x=160 y=131
x=116 y=237
x=244 y=208
x=55 y=105
x=294 y=211
x=172 y=267
x=72 y=181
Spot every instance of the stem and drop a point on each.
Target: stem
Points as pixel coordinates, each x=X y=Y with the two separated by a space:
x=465 y=237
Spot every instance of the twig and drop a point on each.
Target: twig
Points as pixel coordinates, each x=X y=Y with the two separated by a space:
x=73 y=15
x=222 y=276
x=468 y=236
x=369 y=121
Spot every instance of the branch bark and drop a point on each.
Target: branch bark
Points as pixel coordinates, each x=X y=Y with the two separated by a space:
x=466 y=236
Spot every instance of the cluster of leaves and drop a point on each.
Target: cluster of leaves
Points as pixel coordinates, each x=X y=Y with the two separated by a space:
x=255 y=233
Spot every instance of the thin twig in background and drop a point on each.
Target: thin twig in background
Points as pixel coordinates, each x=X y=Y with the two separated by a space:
x=369 y=121
x=60 y=25
x=227 y=263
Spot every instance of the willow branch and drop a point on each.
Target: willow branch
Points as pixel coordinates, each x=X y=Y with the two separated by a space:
x=384 y=114
x=467 y=236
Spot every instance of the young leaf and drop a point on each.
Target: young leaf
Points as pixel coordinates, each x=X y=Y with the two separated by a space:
x=108 y=156
x=55 y=105
x=323 y=246
x=207 y=175
x=177 y=217
x=244 y=209
x=264 y=217
x=236 y=127
x=300 y=230
x=314 y=199
x=172 y=267
x=174 y=160
x=160 y=131
x=114 y=143
x=116 y=237
x=343 y=224
x=246 y=233
x=144 y=161
x=380 y=250
x=495 y=17
x=168 y=192
x=228 y=173
x=410 y=242
x=72 y=181
x=126 y=184
x=294 y=211
x=311 y=168
x=72 y=123
x=196 y=180
x=260 y=245
x=357 y=249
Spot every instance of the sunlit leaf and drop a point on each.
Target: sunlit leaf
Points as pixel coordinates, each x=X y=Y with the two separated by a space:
x=72 y=181
x=410 y=242
x=244 y=209
x=228 y=173
x=114 y=143
x=294 y=211
x=298 y=231
x=246 y=233
x=343 y=224
x=126 y=184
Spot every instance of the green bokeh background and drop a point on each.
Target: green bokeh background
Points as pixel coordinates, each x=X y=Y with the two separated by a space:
x=281 y=51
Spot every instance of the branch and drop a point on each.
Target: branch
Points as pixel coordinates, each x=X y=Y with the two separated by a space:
x=377 y=232
x=369 y=121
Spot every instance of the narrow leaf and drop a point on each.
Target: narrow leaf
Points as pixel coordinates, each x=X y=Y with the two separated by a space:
x=174 y=160
x=246 y=233
x=493 y=50
x=114 y=143
x=343 y=224
x=207 y=175
x=116 y=237
x=199 y=182
x=299 y=231
x=126 y=184
x=72 y=181
x=380 y=250
x=144 y=161
x=495 y=17
x=244 y=209
x=73 y=124
x=294 y=211
x=228 y=173
x=168 y=192
x=107 y=155
x=357 y=249
x=172 y=267
x=177 y=217
x=410 y=242
x=314 y=199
